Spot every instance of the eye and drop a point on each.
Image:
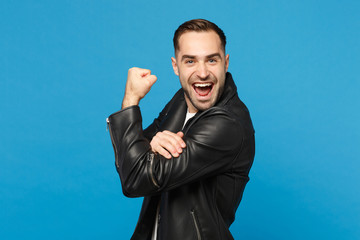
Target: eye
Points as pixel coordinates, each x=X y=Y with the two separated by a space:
x=189 y=61
x=212 y=60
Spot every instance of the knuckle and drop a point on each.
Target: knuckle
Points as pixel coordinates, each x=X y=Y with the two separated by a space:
x=177 y=138
x=157 y=147
x=163 y=151
x=171 y=148
x=173 y=143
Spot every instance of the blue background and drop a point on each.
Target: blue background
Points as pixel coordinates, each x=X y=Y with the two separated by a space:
x=63 y=67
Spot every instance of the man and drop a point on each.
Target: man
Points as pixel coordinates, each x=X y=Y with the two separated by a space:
x=192 y=163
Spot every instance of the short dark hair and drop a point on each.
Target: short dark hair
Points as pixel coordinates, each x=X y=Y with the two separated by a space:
x=198 y=25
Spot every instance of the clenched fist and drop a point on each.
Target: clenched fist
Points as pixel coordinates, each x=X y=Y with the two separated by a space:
x=138 y=84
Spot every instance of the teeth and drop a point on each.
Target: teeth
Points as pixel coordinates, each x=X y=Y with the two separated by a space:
x=202 y=84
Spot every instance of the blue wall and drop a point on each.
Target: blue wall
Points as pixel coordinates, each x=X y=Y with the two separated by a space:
x=63 y=68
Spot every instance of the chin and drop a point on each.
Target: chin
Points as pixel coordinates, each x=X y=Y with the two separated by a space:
x=203 y=107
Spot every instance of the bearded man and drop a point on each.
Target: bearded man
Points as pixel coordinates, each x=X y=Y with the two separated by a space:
x=192 y=163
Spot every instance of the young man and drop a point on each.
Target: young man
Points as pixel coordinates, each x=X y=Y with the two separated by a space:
x=192 y=163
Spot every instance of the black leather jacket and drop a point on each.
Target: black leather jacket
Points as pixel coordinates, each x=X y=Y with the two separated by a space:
x=200 y=190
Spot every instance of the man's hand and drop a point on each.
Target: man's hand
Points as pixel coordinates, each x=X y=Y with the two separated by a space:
x=167 y=142
x=138 y=84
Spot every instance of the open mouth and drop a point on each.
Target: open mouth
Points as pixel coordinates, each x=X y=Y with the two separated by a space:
x=203 y=89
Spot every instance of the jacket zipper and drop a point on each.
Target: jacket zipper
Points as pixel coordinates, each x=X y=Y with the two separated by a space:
x=116 y=155
x=151 y=170
x=112 y=141
x=196 y=224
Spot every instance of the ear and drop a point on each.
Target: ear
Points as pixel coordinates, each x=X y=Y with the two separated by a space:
x=175 y=66
x=227 y=62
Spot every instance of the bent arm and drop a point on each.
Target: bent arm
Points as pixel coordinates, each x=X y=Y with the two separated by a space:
x=213 y=143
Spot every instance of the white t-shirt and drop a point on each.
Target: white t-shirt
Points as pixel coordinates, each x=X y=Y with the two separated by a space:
x=154 y=234
x=188 y=116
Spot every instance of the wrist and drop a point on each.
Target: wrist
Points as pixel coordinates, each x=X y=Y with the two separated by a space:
x=130 y=101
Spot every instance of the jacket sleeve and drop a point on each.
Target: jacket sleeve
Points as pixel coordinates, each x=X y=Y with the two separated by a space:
x=212 y=144
x=153 y=128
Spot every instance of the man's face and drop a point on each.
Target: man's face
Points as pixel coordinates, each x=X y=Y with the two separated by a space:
x=201 y=65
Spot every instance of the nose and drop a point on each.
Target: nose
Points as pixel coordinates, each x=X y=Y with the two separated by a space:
x=202 y=71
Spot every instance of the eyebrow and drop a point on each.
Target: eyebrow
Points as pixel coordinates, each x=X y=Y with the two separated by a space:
x=214 y=55
x=193 y=56
x=187 y=56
